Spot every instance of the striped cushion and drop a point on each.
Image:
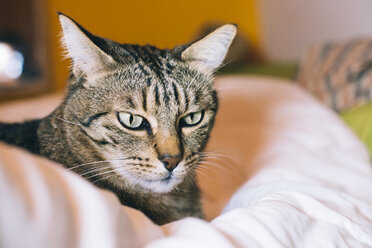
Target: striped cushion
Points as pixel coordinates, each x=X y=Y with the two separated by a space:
x=339 y=74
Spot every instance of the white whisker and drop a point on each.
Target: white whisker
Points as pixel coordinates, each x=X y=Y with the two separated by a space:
x=69 y=122
x=100 y=174
x=97 y=162
x=103 y=178
x=98 y=169
x=218 y=155
x=231 y=170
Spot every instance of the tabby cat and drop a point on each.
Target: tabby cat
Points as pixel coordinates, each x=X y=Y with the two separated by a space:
x=134 y=120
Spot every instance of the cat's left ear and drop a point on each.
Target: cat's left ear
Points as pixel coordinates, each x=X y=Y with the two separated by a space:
x=209 y=52
x=84 y=49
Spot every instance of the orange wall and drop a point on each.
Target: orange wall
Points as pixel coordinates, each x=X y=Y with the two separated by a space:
x=163 y=23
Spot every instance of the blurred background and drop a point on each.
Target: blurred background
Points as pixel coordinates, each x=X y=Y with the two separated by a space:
x=273 y=34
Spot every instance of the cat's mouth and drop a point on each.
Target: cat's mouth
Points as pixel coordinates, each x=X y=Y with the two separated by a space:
x=162 y=185
x=165 y=179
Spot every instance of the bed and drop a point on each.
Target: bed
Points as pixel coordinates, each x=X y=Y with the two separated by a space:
x=287 y=172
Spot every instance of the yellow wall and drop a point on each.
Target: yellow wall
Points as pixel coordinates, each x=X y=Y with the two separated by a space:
x=163 y=23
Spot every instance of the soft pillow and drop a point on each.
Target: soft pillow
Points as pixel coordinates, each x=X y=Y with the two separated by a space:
x=339 y=74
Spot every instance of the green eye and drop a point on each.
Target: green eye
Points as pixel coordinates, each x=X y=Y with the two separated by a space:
x=130 y=121
x=192 y=119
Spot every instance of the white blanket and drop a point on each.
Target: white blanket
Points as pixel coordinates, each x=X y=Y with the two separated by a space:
x=286 y=172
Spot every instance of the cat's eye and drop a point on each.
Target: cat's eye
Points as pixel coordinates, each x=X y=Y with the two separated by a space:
x=131 y=121
x=192 y=119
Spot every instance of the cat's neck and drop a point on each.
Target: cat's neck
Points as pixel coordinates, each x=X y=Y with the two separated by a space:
x=21 y=134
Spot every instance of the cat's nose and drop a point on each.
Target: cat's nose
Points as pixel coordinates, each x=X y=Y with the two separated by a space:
x=170 y=162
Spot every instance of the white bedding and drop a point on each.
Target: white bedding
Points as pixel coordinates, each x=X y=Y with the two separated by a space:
x=292 y=175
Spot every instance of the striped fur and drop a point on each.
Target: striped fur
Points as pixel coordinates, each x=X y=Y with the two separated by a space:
x=339 y=73
x=161 y=87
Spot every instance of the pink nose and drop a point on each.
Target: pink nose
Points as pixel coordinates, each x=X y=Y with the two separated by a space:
x=170 y=162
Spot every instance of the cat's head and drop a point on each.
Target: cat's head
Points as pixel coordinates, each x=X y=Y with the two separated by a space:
x=147 y=112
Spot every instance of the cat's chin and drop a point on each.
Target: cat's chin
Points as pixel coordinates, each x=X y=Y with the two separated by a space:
x=164 y=185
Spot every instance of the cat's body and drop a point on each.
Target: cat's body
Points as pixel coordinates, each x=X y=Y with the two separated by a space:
x=135 y=119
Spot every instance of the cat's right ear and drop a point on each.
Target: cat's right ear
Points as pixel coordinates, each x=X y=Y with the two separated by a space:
x=83 y=48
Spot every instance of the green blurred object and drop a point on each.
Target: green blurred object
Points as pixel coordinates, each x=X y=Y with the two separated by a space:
x=359 y=120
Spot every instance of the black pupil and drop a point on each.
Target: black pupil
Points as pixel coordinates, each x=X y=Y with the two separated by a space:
x=192 y=116
x=131 y=119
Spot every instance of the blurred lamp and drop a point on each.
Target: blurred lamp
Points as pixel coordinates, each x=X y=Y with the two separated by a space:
x=11 y=62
